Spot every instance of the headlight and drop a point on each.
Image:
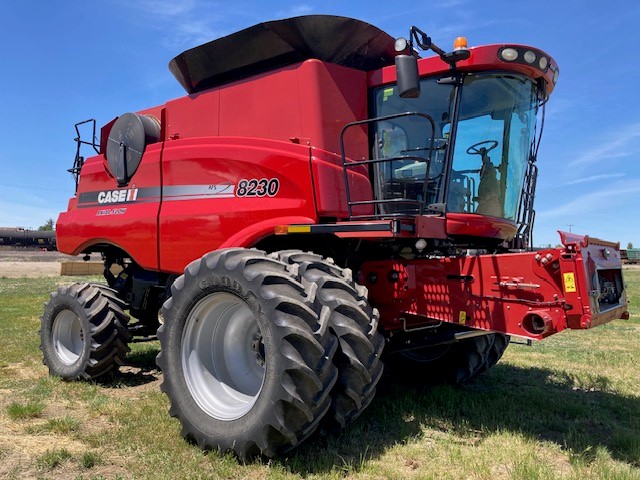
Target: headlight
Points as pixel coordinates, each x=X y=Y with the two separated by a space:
x=525 y=56
x=544 y=61
x=529 y=56
x=401 y=44
x=509 y=54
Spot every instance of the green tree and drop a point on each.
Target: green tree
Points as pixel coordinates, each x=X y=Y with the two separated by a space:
x=629 y=246
x=48 y=226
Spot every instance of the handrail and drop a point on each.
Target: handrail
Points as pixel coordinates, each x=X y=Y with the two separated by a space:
x=377 y=202
x=79 y=160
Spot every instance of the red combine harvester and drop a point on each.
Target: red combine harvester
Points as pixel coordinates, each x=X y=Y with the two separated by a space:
x=320 y=193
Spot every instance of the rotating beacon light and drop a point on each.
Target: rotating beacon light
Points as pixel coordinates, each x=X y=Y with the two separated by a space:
x=460 y=43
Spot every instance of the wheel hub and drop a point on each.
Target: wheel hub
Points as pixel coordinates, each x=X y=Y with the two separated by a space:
x=257 y=345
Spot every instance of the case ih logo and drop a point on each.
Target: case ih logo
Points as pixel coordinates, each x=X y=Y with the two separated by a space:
x=171 y=193
x=118 y=196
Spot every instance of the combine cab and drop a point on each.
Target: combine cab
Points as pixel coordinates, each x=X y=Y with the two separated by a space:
x=322 y=193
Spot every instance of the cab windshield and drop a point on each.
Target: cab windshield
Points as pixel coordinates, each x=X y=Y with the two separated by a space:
x=486 y=139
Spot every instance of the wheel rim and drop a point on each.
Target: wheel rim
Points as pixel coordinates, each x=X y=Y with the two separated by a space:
x=68 y=337
x=223 y=356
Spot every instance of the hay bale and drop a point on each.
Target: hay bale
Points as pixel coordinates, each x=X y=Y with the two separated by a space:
x=81 y=268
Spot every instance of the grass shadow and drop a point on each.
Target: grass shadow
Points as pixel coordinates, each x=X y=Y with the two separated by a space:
x=534 y=402
x=144 y=358
x=140 y=369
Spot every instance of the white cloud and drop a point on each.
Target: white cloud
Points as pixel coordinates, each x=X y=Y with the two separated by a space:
x=183 y=24
x=191 y=34
x=594 y=178
x=296 y=11
x=13 y=214
x=31 y=205
x=615 y=144
x=167 y=8
x=446 y=4
x=605 y=199
x=557 y=107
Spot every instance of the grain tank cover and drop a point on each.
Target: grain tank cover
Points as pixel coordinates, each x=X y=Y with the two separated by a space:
x=269 y=45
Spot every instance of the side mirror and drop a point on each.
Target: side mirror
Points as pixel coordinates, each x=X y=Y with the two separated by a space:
x=407 y=75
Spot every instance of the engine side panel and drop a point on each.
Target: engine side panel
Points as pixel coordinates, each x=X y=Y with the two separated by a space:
x=229 y=192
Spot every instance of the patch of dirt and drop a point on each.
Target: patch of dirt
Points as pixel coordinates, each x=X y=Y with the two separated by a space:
x=8 y=254
x=29 y=269
x=20 y=449
x=137 y=381
x=18 y=371
x=24 y=465
x=20 y=263
x=13 y=438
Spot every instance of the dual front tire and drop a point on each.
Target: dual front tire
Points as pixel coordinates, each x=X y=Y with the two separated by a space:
x=256 y=354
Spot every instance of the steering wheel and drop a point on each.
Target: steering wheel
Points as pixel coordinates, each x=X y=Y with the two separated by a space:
x=474 y=150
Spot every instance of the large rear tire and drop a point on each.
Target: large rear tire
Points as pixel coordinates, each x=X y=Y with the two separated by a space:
x=454 y=363
x=84 y=332
x=499 y=344
x=246 y=356
x=355 y=323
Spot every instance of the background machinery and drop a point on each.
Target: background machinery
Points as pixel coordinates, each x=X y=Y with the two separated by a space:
x=23 y=237
x=320 y=193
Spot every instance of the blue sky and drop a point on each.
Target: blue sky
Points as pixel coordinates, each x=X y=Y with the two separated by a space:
x=67 y=61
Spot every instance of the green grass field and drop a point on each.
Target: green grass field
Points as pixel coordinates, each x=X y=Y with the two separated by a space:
x=567 y=407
